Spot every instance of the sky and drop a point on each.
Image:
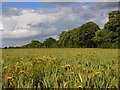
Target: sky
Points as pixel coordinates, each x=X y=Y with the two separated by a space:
x=25 y=21
x=60 y=0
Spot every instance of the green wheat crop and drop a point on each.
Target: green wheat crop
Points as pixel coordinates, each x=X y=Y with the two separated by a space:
x=60 y=68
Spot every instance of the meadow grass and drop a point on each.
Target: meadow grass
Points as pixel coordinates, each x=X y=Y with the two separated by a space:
x=60 y=68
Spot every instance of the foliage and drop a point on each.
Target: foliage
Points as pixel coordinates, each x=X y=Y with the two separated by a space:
x=50 y=42
x=88 y=35
x=79 y=37
x=109 y=35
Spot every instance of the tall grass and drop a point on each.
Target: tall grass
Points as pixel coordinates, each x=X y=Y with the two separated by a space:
x=60 y=68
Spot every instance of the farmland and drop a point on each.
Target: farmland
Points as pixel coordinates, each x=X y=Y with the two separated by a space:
x=60 y=68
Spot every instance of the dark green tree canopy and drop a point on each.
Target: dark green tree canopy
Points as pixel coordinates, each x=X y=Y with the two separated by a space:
x=109 y=35
x=80 y=36
x=50 y=42
x=87 y=35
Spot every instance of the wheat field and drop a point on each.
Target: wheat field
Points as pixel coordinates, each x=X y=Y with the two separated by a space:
x=60 y=68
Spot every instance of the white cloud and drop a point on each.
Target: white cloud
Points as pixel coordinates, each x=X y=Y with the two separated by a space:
x=16 y=34
x=22 y=24
x=106 y=0
x=1 y=26
x=79 y=0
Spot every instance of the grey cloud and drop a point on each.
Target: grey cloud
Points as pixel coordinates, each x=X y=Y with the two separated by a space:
x=11 y=12
x=103 y=5
x=23 y=25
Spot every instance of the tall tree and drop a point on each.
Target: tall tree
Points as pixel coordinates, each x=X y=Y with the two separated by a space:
x=50 y=42
x=109 y=36
x=80 y=36
x=87 y=32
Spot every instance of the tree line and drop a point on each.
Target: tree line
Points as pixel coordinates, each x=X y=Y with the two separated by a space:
x=88 y=35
